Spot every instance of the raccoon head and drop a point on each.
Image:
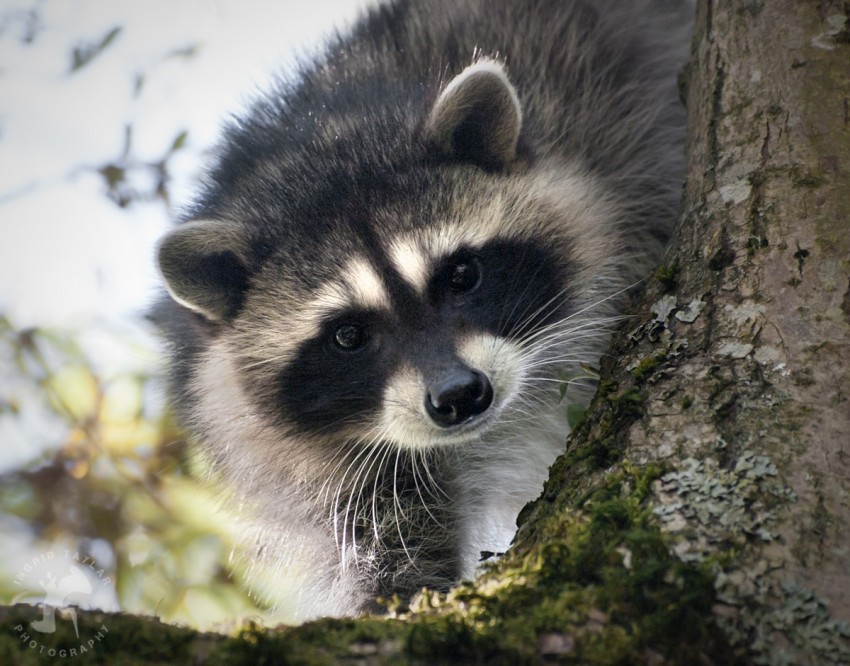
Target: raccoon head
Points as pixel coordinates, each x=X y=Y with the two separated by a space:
x=424 y=309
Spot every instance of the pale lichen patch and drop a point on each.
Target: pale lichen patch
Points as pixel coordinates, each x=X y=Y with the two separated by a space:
x=712 y=512
x=784 y=623
x=709 y=508
x=745 y=313
x=737 y=192
x=735 y=349
x=689 y=314
x=770 y=356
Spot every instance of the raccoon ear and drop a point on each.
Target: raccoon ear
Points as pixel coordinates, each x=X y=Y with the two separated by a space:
x=477 y=117
x=204 y=264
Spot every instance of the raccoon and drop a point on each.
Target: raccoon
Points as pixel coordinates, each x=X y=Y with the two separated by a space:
x=379 y=304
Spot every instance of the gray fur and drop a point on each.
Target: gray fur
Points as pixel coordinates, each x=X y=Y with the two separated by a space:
x=347 y=189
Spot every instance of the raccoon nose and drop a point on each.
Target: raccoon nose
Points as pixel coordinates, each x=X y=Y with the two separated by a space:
x=458 y=397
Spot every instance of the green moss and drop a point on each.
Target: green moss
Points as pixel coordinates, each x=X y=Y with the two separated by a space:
x=600 y=449
x=606 y=387
x=576 y=414
x=628 y=404
x=326 y=641
x=668 y=276
x=111 y=638
x=599 y=586
x=647 y=365
x=757 y=243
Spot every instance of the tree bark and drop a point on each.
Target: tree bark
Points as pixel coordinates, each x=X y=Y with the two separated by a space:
x=699 y=514
x=744 y=388
x=766 y=246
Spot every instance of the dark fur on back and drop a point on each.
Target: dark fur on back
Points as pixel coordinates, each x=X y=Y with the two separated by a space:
x=339 y=159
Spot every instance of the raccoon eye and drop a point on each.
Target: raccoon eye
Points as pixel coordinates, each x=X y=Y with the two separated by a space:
x=464 y=275
x=349 y=337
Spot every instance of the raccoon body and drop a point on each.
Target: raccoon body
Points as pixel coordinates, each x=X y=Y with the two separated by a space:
x=399 y=260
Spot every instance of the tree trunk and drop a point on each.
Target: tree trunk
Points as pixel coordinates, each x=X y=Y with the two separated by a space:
x=743 y=388
x=766 y=372
x=699 y=513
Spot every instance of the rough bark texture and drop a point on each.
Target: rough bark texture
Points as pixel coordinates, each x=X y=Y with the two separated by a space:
x=766 y=245
x=699 y=514
x=755 y=389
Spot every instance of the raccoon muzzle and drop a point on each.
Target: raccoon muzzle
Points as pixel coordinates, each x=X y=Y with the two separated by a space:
x=458 y=396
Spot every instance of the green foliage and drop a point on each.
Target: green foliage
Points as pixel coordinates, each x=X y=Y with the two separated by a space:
x=85 y=53
x=91 y=462
x=575 y=415
x=112 y=470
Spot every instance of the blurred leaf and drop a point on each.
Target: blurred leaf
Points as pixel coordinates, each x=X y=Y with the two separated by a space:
x=136 y=547
x=186 y=52
x=78 y=469
x=199 y=506
x=125 y=438
x=206 y=606
x=179 y=141
x=586 y=373
x=113 y=174
x=117 y=474
x=18 y=499
x=122 y=402
x=74 y=390
x=9 y=406
x=82 y=55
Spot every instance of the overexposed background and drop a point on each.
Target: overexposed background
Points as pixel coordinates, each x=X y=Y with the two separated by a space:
x=172 y=66
x=108 y=111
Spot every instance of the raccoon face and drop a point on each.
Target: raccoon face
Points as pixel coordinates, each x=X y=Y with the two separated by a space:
x=446 y=309
x=422 y=362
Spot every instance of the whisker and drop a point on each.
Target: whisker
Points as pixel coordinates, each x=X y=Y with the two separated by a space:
x=386 y=448
x=351 y=498
x=422 y=499
x=359 y=492
x=398 y=509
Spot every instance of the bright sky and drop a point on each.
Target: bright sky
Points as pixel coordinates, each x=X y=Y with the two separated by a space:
x=67 y=253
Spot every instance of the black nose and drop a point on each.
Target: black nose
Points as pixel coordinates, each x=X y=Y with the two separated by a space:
x=457 y=397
